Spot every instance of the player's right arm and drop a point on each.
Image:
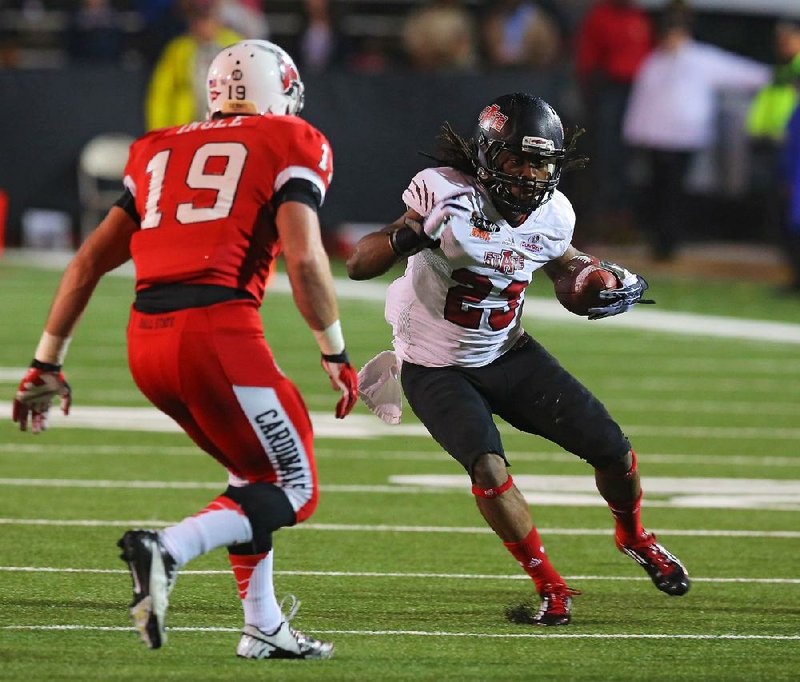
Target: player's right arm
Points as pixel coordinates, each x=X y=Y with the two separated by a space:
x=308 y=268
x=105 y=249
x=375 y=253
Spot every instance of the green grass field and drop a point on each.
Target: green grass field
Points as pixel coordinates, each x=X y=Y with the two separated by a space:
x=396 y=566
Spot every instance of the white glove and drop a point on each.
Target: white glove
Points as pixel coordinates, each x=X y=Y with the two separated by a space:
x=379 y=387
x=441 y=215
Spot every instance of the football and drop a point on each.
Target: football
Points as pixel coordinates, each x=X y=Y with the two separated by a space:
x=578 y=288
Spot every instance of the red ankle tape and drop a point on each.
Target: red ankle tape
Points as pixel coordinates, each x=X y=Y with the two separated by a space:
x=490 y=493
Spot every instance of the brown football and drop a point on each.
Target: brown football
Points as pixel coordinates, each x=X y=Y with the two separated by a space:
x=579 y=286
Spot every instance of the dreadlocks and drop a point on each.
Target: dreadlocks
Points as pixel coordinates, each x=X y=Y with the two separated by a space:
x=455 y=151
x=462 y=153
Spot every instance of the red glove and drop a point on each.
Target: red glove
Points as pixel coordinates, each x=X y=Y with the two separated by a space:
x=41 y=383
x=343 y=378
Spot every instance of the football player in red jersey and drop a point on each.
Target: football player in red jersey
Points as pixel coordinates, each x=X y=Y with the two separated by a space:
x=207 y=208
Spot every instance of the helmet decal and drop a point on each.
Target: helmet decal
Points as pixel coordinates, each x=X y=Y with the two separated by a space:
x=492 y=118
x=289 y=76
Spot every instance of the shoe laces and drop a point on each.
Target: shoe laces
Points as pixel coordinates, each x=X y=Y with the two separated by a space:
x=660 y=557
x=294 y=605
x=556 y=598
x=655 y=554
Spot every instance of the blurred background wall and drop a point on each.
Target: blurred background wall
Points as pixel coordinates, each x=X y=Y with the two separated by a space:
x=70 y=71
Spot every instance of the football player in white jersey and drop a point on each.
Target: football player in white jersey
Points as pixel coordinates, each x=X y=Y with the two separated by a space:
x=475 y=231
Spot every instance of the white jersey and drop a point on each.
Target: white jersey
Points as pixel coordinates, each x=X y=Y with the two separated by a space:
x=460 y=304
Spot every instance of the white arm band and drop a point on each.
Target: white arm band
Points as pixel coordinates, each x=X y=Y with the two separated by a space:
x=330 y=339
x=52 y=349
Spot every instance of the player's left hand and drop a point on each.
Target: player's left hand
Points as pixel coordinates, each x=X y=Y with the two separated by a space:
x=343 y=378
x=440 y=216
x=620 y=300
x=41 y=383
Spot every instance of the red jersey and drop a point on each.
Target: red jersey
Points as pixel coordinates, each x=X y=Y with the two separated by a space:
x=614 y=40
x=203 y=192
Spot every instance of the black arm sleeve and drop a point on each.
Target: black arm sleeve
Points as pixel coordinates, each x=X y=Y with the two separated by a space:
x=297 y=189
x=127 y=203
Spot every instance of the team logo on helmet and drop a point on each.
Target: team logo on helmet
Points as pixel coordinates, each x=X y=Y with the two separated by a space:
x=492 y=117
x=290 y=78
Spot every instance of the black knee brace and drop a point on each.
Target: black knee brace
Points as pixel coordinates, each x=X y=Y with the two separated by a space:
x=267 y=508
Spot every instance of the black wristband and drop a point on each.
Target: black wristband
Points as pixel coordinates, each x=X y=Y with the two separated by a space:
x=405 y=241
x=341 y=358
x=45 y=366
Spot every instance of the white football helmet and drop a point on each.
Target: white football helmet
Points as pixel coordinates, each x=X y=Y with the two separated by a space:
x=257 y=72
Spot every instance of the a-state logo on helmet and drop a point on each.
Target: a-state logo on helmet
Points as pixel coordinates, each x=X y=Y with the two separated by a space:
x=257 y=73
x=527 y=125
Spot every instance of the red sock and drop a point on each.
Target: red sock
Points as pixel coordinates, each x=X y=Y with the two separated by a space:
x=531 y=556
x=243 y=566
x=627 y=514
x=629 y=524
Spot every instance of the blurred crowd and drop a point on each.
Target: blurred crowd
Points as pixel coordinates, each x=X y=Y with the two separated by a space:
x=646 y=89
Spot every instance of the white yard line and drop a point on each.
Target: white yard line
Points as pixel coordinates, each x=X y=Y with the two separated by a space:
x=540 y=634
x=26 y=449
x=362 y=426
x=541 y=490
x=535 y=307
x=387 y=528
x=394 y=574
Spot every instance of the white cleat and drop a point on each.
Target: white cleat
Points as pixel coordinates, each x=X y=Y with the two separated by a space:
x=285 y=642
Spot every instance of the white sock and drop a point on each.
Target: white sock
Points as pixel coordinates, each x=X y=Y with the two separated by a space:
x=215 y=526
x=254 y=578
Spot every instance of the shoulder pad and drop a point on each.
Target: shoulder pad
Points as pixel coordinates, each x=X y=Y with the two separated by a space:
x=432 y=185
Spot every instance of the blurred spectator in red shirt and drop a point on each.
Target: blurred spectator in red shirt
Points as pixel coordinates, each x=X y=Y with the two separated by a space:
x=612 y=42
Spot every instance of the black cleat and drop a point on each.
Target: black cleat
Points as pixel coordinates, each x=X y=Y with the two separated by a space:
x=664 y=569
x=153 y=572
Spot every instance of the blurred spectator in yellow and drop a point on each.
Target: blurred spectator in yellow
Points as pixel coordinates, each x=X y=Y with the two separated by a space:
x=775 y=102
x=612 y=41
x=520 y=33
x=671 y=115
x=95 y=33
x=766 y=125
x=320 y=43
x=791 y=184
x=176 y=92
x=440 y=36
